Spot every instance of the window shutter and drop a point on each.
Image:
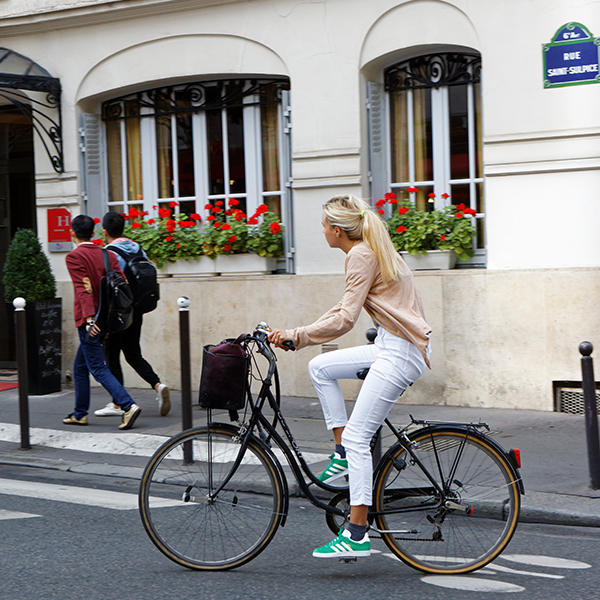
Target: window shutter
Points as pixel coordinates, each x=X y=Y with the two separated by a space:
x=93 y=200
x=378 y=177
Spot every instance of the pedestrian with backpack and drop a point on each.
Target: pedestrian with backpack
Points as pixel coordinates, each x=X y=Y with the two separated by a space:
x=142 y=277
x=90 y=267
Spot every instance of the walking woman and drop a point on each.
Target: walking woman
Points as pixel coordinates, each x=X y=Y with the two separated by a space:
x=379 y=281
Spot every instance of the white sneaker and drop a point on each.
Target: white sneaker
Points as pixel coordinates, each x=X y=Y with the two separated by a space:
x=109 y=411
x=163 y=399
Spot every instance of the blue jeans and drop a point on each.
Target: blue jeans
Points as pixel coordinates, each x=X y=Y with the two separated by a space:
x=90 y=359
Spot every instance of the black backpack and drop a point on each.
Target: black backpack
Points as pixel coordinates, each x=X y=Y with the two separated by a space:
x=142 y=277
x=115 y=305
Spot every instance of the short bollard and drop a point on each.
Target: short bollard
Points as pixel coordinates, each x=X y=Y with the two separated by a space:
x=21 y=343
x=186 y=387
x=591 y=412
x=371 y=335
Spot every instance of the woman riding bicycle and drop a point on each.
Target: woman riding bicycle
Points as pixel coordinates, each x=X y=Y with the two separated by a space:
x=379 y=281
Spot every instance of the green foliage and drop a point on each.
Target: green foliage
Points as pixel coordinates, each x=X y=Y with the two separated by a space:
x=173 y=237
x=267 y=239
x=416 y=231
x=27 y=271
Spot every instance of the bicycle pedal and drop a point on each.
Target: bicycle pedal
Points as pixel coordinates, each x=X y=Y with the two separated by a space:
x=348 y=559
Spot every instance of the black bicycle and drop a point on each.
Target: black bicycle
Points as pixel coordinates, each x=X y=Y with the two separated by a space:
x=446 y=497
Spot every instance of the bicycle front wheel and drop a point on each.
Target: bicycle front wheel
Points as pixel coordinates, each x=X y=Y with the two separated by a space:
x=462 y=529
x=191 y=524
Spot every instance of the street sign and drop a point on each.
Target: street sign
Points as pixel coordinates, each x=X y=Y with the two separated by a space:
x=59 y=230
x=572 y=57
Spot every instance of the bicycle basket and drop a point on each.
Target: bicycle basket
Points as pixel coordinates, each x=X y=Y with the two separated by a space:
x=224 y=376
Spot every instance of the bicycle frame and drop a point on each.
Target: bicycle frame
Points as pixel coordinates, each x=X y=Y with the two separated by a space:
x=299 y=465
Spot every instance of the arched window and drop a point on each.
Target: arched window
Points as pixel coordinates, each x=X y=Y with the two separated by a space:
x=198 y=143
x=432 y=133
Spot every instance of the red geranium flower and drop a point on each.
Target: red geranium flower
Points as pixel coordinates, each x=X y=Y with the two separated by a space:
x=216 y=209
x=154 y=206
x=444 y=195
x=253 y=220
x=210 y=218
x=219 y=202
x=136 y=225
x=442 y=237
x=393 y=200
x=275 y=228
x=178 y=244
x=459 y=215
x=124 y=216
x=164 y=213
x=380 y=203
x=390 y=196
x=170 y=225
x=134 y=212
x=401 y=229
x=227 y=248
x=217 y=225
x=233 y=202
x=432 y=195
x=225 y=226
x=263 y=208
x=196 y=217
x=169 y=238
x=239 y=216
x=232 y=239
x=413 y=190
x=461 y=206
x=98 y=242
x=173 y=204
x=96 y=220
x=151 y=221
x=403 y=210
x=207 y=206
x=381 y=211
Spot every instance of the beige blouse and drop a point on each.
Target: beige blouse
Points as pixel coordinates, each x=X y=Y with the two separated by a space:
x=396 y=306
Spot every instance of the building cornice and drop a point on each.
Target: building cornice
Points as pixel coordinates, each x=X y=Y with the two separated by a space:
x=106 y=11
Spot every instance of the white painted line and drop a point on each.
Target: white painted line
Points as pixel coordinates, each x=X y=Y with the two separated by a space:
x=471 y=584
x=5 y=515
x=78 y=495
x=127 y=443
x=538 y=560
x=496 y=567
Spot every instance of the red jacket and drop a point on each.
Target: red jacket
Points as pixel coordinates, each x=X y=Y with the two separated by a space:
x=86 y=268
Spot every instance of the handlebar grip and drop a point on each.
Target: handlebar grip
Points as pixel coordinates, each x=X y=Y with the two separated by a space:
x=289 y=345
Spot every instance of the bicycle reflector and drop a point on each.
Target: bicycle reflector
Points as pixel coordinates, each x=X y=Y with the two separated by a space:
x=514 y=455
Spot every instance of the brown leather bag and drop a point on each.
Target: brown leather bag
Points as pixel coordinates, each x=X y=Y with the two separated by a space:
x=224 y=379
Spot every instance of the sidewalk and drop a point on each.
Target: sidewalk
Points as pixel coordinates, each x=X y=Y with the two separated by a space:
x=553 y=445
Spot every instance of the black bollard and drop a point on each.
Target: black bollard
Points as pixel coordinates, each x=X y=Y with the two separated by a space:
x=21 y=347
x=186 y=387
x=371 y=335
x=591 y=412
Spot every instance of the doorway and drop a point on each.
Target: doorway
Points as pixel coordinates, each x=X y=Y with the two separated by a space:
x=17 y=202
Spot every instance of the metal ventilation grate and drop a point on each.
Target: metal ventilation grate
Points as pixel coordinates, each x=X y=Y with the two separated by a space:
x=570 y=400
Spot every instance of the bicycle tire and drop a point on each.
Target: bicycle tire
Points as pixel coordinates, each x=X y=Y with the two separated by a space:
x=211 y=534
x=465 y=535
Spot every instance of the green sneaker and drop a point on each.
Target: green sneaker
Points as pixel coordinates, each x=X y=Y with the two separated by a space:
x=337 y=467
x=344 y=547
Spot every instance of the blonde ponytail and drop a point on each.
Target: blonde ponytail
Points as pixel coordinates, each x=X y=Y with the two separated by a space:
x=355 y=217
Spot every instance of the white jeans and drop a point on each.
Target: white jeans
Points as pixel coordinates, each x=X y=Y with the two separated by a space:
x=394 y=364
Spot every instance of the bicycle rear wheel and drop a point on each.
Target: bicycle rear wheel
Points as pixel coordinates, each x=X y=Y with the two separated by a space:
x=470 y=525
x=190 y=525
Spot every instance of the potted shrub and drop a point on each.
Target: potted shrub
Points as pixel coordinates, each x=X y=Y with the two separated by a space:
x=444 y=234
x=27 y=274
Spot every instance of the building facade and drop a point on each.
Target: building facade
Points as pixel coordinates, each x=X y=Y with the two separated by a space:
x=138 y=103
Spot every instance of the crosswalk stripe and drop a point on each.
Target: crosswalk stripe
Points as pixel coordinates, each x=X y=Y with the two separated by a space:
x=129 y=443
x=6 y=515
x=78 y=495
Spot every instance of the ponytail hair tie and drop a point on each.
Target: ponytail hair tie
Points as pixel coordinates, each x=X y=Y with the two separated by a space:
x=362 y=214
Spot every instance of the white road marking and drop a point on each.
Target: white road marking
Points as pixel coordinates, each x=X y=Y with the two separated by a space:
x=537 y=560
x=5 y=515
x=496 y=567
x=128 y=443
x=78 y=495
x=471 y=584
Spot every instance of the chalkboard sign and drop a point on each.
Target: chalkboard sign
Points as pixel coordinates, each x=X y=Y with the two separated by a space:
x=572 y=57
x=44 y=340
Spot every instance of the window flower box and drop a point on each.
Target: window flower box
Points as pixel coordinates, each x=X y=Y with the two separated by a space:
x=430 y=261
x=244 y=264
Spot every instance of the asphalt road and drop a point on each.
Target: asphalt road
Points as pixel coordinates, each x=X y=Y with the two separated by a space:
x=79 y=548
